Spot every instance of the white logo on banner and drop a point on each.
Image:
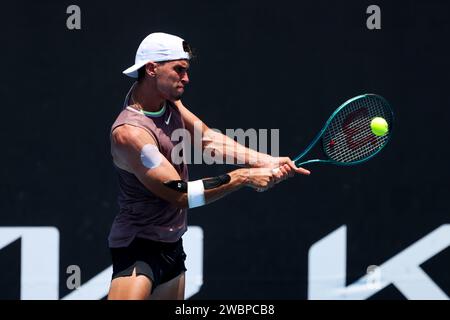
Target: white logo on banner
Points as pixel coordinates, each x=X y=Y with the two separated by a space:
x=327 y=269
x=39 y=266
x=39 y=272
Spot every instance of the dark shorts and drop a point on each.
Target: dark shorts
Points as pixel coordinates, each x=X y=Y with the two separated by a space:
x=159 y=261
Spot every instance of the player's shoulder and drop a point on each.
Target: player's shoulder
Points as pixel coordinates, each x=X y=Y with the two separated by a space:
x=127 y=133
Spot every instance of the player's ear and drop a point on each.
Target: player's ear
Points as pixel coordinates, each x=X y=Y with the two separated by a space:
x=150 y=69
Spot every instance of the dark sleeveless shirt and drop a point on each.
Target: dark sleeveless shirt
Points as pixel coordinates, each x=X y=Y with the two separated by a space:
x=141 y=213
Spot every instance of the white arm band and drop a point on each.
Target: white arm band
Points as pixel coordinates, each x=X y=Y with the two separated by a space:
x=196 y=194
x=150 y=156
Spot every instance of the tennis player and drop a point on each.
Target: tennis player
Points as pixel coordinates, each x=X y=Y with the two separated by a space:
x=154 y=190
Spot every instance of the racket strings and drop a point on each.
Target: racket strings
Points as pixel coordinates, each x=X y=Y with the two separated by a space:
x=349 y=137
x=355 y=137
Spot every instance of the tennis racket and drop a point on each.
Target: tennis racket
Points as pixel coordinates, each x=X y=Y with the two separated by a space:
x=346 y=138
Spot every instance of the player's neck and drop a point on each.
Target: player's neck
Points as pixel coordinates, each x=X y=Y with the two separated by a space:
x=146 y=98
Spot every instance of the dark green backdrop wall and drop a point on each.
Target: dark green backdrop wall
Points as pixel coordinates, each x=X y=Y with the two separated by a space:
x=261 y=64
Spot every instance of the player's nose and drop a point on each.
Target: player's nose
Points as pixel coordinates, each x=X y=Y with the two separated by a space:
x=185 y=78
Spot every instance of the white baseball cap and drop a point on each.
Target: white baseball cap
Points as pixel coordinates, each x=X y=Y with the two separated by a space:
x=158 y=47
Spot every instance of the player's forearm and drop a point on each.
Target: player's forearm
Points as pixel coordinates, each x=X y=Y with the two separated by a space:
x=237 y=180
x=231 y=151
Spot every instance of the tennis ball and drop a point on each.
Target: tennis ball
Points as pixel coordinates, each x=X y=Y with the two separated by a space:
x=379 y=126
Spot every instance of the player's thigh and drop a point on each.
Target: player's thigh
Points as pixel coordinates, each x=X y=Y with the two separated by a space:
x=134 y=287
x=170 y=290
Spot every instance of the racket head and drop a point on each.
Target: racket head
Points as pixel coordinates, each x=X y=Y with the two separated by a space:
x=347 y=137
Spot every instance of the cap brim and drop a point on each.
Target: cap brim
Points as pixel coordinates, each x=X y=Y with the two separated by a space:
x=133 y=70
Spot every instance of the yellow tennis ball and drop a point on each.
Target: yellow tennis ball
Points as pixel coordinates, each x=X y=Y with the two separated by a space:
x=379 y=126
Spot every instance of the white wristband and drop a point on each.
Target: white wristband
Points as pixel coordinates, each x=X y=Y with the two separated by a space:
x=196 y=194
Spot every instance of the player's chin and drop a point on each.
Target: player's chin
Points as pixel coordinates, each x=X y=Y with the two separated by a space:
x=177 y=95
